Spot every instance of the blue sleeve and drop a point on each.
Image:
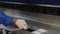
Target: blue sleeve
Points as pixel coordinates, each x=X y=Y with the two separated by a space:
x=0 y=32
x=4 y=19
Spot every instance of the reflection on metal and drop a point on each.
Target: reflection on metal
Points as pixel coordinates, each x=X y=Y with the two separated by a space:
x=58 y=6
x=11 y=2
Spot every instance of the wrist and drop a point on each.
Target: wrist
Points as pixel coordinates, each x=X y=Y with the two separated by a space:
x=14 y=21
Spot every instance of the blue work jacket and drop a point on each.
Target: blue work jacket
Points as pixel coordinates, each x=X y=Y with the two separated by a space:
x=4 y=19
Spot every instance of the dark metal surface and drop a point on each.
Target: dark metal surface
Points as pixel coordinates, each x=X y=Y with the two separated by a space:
x=45 y=5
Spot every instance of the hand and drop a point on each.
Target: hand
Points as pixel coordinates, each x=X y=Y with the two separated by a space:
x=21 y=24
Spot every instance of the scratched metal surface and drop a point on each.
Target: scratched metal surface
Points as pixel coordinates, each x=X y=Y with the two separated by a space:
x=49 y=22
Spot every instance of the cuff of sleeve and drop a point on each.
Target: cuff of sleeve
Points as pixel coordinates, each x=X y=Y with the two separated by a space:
x=8 y=21
x=14 y=21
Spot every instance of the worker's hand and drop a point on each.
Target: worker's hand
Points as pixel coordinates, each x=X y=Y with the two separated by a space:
x=21 y=24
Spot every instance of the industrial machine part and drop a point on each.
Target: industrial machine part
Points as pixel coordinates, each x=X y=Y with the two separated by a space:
x=10 y=30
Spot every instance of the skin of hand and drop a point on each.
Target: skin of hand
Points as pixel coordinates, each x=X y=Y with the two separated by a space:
x=20 y=23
